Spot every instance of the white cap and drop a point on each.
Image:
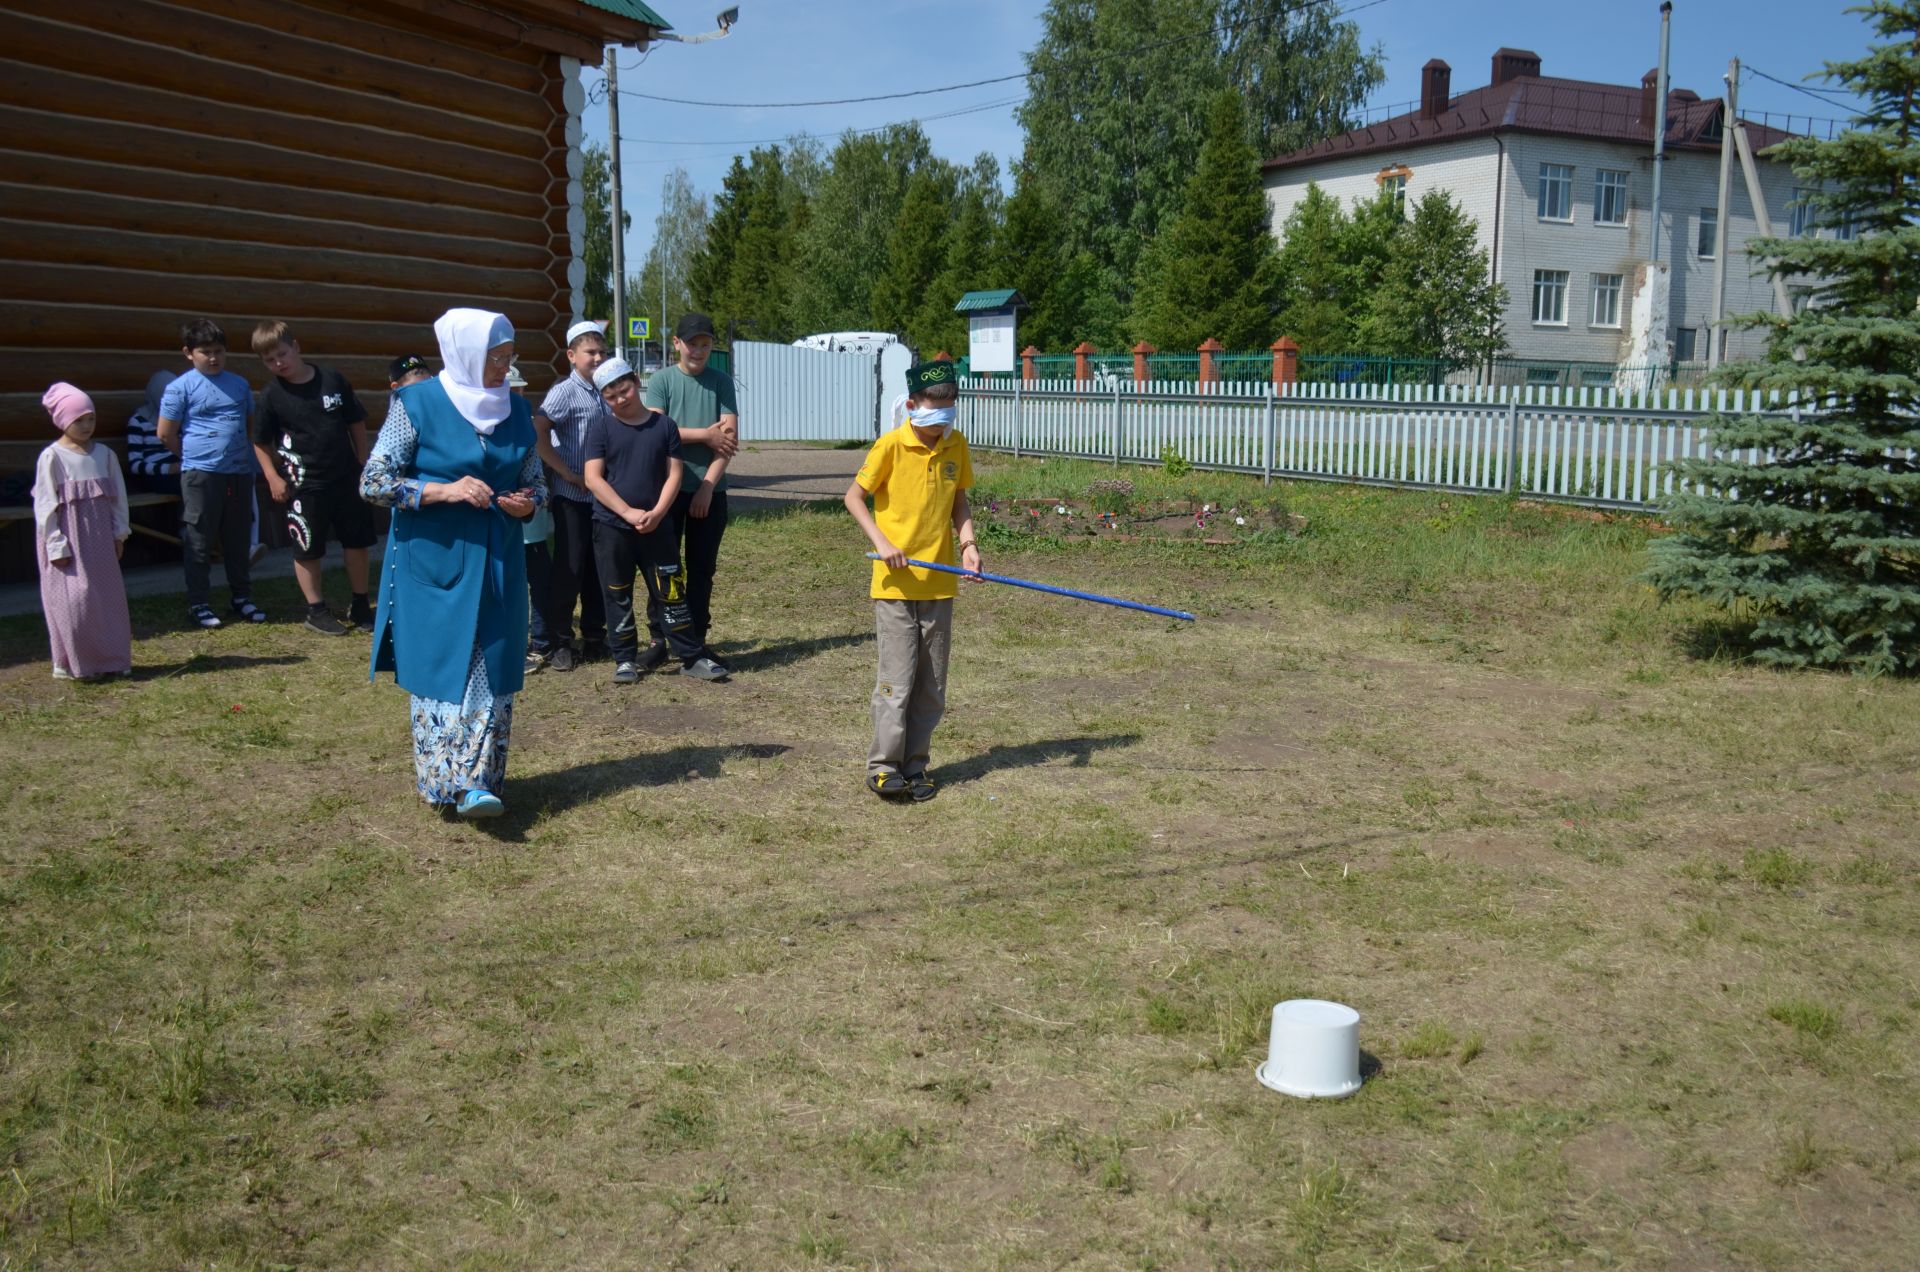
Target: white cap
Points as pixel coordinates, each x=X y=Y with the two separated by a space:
x=580 y=329
x=609 y=371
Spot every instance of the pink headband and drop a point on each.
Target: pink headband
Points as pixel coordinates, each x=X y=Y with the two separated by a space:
x=66 y=404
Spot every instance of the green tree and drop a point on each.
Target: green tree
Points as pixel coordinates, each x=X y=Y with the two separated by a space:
x=1118 y=96
x=758 y=297
x=1214 y=272
x=851 y=216
x=711 y=268
x=1808 y=528
x=968 y=261
x=679 y=234
x=597 y=251
x=1434 y=299
x=1314 y=301
x=915 y=251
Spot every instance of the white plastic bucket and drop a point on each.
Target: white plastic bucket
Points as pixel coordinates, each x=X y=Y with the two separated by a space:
x=1313 y=1051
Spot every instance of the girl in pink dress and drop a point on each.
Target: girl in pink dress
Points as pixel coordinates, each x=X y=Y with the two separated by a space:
x=80 y=515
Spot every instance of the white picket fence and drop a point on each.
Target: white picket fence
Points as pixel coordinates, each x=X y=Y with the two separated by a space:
x=1588 y=445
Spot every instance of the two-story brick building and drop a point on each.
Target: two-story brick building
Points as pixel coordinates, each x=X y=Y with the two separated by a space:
x=1557 y=174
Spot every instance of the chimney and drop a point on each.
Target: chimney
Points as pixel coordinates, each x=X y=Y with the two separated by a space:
x=1511 y=64
x=1435 y=79
x=1649 y=101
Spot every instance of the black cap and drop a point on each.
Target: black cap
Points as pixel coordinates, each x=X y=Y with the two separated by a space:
x=691 y=325
x=404 y=365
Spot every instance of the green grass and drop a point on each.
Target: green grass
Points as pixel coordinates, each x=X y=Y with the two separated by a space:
x=1633 y=928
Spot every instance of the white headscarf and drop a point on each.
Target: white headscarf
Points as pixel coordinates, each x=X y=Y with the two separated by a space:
x=465 y=336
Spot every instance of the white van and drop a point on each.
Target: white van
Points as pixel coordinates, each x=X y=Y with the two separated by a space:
x=849 y=341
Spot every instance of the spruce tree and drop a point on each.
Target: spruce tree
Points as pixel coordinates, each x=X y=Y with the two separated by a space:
x=597 y=254
x=1214 y=271
x=966 y=265
x=915 y=251
x=712 y=266
x=1314 y=302
x=1434 y=299
x=758 y=295
x=1815 y=544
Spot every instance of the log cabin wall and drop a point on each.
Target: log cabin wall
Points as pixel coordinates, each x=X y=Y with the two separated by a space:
x=353 y=168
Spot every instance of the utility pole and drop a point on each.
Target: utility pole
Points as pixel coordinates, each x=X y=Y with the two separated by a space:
x=1723 y=221
x=1660 y=120
x=619 y=341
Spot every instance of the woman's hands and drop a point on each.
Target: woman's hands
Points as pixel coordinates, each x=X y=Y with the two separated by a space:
x=468 y=490
x=517 y=504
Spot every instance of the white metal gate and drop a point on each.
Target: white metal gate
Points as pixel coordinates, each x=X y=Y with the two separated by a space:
x=806 y=395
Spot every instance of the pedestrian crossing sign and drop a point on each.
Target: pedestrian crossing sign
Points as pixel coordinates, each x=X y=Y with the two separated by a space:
x=639 y=328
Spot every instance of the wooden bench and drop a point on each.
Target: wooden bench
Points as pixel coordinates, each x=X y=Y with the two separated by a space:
x=146 y=499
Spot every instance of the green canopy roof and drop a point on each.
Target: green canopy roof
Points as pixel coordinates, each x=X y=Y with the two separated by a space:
x=630 y=9
x=1005 y=298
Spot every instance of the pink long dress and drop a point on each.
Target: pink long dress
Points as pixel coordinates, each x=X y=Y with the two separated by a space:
x=79 y=510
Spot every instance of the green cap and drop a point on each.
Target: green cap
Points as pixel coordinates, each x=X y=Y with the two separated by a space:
x=927 y=374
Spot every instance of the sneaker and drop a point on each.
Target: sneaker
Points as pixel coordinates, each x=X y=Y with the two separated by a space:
x=890 y=786
x=704 y=668
x=561 y=658
x=536 y=660
x=245 y=608
x=204 y=616
x=361 y=617
x=653 y=657
x=924 y=787
x=626 y=674
x=324 y=622
x=61 y=673
x=476 y=805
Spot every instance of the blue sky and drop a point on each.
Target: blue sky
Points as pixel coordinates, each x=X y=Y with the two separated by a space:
x=804 y=50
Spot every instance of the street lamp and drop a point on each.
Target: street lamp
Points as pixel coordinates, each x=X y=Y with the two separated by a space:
x=724 y=21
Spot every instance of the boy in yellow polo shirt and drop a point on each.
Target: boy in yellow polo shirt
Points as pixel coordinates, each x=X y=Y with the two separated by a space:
x=918 y=476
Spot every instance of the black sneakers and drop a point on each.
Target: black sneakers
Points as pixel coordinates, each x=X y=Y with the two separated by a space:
x=321 y=620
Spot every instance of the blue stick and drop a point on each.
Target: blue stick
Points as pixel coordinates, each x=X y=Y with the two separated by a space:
x=1042 y=587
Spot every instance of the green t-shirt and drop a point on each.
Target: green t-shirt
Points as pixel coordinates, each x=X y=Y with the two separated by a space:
x=693 y=401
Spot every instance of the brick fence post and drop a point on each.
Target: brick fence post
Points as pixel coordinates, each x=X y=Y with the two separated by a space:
x=1209 y=373
x=1027 y=355
x=1141 y=352
x=1081 y=352
x=1286 y=364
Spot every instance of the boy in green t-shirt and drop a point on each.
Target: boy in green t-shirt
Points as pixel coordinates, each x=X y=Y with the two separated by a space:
x=700 y=399
x=918 y=475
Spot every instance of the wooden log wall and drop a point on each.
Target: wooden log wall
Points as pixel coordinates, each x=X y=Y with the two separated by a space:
x=352 y=168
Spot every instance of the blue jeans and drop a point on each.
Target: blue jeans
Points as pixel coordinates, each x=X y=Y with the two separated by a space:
x=539 y=584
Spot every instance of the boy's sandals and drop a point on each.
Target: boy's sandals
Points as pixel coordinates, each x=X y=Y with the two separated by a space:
x=204 y=616
x=924 y=787
x=246 y=609
x=890 y=786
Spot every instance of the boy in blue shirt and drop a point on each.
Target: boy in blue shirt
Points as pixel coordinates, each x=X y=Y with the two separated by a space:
x=203 y=419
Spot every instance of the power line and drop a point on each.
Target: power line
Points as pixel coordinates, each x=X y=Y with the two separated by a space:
x=1828 y=96
x=774 y=141
x=1215 y=31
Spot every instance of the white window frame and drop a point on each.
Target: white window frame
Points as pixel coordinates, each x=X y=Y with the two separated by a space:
x=1613 y=285
x=1801 y=214
x=1708 y=216
x=1609 y=181
x=1550 y=283
x=1557 y=177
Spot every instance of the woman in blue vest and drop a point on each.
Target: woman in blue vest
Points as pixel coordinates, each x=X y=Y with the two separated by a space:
x=456 y=463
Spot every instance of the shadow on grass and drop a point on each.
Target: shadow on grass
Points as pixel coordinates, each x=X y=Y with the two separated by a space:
x=545 y=794
x=783 y=653
x=1028 y=754
x=201 y=663
x=1722 y=640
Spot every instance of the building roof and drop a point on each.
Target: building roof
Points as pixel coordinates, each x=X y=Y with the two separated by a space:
x=631 y=9
x=1539 y=104
x=976 y=301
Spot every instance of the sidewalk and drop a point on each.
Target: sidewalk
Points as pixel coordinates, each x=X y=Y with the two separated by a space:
x=762 y=475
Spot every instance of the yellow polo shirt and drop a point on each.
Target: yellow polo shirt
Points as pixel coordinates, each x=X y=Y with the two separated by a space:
x=913 y=491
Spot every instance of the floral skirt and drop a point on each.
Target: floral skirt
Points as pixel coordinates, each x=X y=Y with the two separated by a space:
x=462 y=746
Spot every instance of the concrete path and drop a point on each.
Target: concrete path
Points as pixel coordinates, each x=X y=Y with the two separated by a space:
x=761 y=477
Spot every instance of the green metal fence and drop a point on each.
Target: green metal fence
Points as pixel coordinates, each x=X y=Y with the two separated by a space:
x=1366 y=369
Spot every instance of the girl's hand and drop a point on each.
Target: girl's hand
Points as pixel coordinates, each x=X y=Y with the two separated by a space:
x=119 y=549
x=468 y=490
x=516 y=503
